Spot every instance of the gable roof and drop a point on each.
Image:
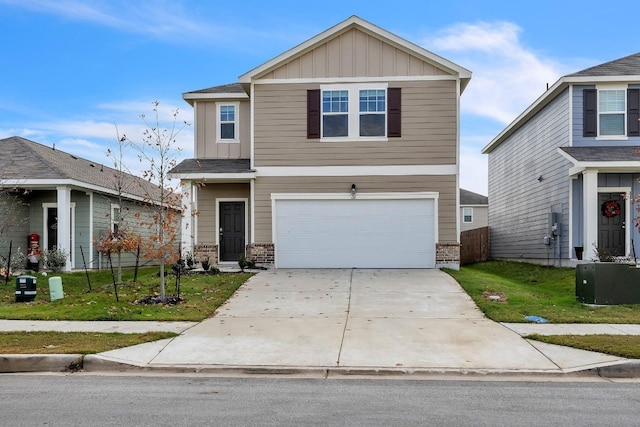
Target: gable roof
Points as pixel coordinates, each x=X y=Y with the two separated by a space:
x=470 y=198
x=626 y=69
x=28 y=164
x=626 y=66
x=227 y=91
x=361 y=24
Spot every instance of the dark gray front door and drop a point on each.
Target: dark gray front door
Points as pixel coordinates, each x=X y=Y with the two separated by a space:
x=611 y=227
x=232 y=232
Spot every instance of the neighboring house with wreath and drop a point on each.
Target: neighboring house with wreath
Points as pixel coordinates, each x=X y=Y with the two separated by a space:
x=68 y=202
x=474 y=210
x=564 y=173
x=341 y=152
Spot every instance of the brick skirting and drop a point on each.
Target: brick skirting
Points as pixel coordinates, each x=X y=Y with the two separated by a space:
x=447 y=253
x=202 y=250
x=261 y=253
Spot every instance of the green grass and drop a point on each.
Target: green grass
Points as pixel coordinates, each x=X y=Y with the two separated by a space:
x=72 y=342
x=533 y=290
x=627 y=346
x=202 y=294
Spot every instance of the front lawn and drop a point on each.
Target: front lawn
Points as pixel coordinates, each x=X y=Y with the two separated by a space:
x=510 y=291
x=201 y=295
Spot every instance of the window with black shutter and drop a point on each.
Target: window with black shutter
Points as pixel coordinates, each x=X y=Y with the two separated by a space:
x=590 y=112
x=633 y=112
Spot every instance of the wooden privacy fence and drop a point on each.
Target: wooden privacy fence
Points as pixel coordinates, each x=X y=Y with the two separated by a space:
x=474 y=245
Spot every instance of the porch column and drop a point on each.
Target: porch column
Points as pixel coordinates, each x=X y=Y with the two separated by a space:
x=590 y=197
x=64 y=223
x=188 y=206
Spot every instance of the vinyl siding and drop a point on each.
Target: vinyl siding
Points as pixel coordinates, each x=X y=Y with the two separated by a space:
x=429 y=129
x=445 y=185
x=206 y=127
x=354 y=53
x=519 y=204
x=206 y=219
x=18 y=233
x=480 y=218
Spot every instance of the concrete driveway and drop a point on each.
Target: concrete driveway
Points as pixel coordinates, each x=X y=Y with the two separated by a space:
x=369 y=319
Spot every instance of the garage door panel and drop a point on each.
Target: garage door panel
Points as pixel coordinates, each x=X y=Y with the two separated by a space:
x=355 y=233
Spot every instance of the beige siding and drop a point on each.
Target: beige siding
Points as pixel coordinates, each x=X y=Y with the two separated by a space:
x=429 y=128
x=445 y=185
x=205 y=133
x=207 y=195
x=480 y=218
x=354 y=53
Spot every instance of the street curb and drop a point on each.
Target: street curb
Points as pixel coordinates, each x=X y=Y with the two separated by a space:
x=629 y=369
x=10 y=363
x=16 y=363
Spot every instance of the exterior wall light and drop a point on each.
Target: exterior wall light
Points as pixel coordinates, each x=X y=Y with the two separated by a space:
x=353 y=191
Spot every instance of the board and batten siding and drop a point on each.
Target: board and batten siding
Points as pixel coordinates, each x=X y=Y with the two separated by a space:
x=206 y=131
x=519 y=204
x=354 y=53
x=207 y=195
x=429 y=129
x=445 y=185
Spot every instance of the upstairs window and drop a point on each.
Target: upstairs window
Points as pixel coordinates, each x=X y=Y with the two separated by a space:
x=467 y=215
x=335 y=113
x=373 y=112
x=227 y=122
x=611 y=112
x=353 y=112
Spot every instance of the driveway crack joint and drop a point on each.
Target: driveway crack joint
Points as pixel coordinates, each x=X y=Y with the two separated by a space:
x=346 y=321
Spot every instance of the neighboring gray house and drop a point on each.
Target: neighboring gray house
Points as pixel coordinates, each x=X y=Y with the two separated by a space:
x=67 y=201
x=563 y=175
x=474 y=210
x=341 y=152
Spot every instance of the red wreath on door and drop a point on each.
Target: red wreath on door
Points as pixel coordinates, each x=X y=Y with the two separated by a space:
x=610 y=208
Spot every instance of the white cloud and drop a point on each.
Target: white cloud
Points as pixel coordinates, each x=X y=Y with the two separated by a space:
x=507 y=76
x=473 y=170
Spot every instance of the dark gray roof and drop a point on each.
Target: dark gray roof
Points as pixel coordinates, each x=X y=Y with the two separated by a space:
x=213 y=166
x=228 y=88
x=603 y=154
x=470 y=198
x=23 y=159
x=627 y=66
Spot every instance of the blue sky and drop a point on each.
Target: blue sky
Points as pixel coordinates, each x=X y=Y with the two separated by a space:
x=72 y=70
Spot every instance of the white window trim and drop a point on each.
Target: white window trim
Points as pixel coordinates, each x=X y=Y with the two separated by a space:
x=236 y=135
x=601 y=87
x=354 y=111
x=114 y=206
x=464 y=215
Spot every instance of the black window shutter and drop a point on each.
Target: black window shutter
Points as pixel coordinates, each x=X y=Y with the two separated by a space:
x=313 y=114
x=394 y=122
x=633 y=112
x=590 y=112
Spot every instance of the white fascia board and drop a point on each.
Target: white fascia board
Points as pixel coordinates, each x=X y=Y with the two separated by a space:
x=374 y=30
x=359 y=196
x=537 y=105
x=355 y=80
x=603 y=79
x=356 y=170
x=44 y=184
x=230 y=95
x=214 y=176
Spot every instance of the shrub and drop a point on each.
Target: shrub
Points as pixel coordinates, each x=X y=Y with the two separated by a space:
x=55 y=259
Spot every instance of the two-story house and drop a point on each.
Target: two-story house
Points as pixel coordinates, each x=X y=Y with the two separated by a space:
x=563 y=175
x=341 y=152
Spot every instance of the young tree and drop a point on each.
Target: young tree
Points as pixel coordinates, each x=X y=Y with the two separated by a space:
x=120 y=237
x=158 y=152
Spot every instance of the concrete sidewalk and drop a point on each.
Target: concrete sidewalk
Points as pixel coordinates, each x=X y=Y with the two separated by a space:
x=349 y=322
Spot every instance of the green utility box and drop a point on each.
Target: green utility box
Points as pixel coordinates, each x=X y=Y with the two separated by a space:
x=25 y=288
x=55 y=288
x=608 y=283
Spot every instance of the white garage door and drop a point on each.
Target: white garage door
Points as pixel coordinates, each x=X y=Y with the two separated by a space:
x=358 y=233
